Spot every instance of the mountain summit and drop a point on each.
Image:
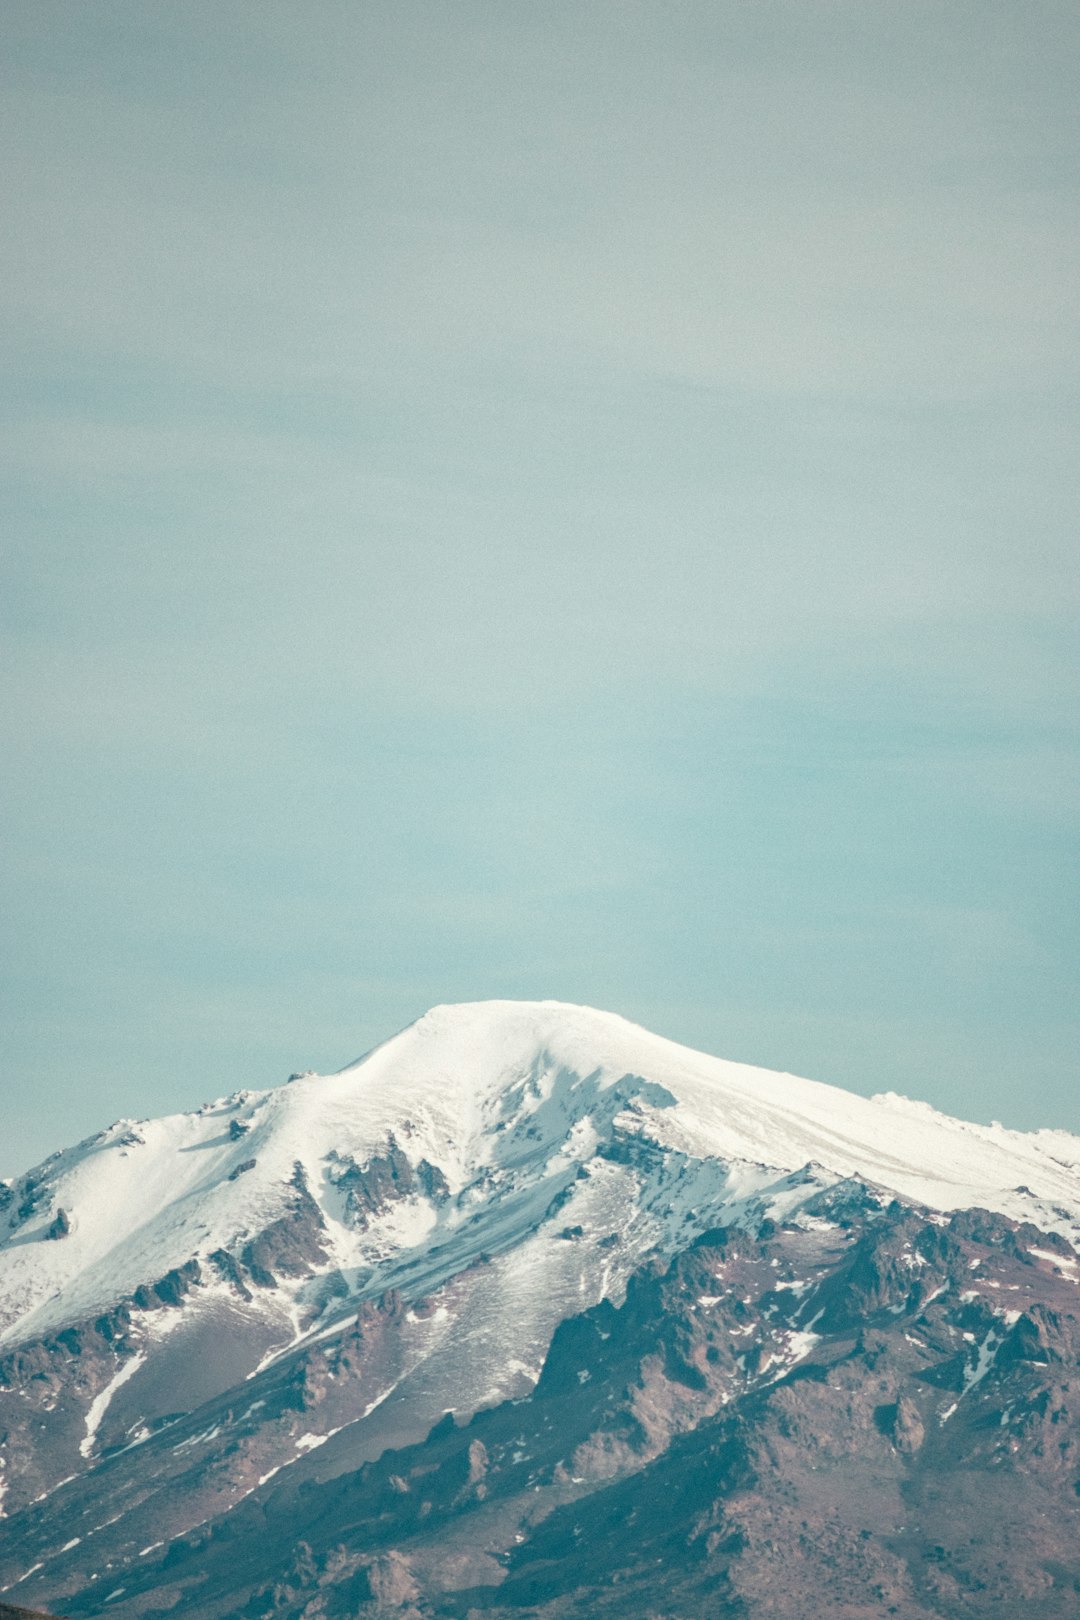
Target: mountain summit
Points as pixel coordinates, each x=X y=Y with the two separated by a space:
x=283 y=1285
x=471 y=1121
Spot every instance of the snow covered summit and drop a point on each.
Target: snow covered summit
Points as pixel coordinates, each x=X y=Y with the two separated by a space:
x=471 y=1122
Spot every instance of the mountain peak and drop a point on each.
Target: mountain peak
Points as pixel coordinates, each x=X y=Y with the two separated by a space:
x=510 y=1096
x=434 y=1211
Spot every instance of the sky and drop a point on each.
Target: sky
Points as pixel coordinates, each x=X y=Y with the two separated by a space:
x=565 y=501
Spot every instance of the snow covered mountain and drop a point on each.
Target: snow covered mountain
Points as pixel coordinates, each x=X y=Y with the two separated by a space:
x=299 y=1278
x=467 y=1125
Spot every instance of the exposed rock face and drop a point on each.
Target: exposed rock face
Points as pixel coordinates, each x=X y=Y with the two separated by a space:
x=372 y=1188
x=229 y=1268
x=902 y=1422
x=292 y=1245
x=432 y=1182
x=170 y=1289
x=866 y=1411
x=46 y=1386
x=28 y=1196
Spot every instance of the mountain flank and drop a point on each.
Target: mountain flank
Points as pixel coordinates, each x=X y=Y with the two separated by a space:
x=531 y=1313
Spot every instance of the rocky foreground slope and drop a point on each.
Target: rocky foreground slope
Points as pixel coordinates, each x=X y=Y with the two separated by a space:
x=533 y=1313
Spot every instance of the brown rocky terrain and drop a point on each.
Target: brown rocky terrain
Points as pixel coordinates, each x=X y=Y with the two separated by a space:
x=869 y=1410
x=48 y=1383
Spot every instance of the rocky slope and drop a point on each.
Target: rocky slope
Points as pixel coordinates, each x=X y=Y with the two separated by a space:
x=231 y=1340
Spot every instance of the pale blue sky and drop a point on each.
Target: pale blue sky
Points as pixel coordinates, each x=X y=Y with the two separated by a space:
x=575 y=500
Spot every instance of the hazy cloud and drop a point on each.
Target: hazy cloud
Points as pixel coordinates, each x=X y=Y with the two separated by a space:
x=575 y=502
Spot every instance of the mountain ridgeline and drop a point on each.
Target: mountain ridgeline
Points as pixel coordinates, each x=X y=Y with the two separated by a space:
x=531 y=1313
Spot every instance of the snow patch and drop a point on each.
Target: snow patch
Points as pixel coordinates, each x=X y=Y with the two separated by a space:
x=100 y=1404
x=1066 y=1266
x=311 y=1442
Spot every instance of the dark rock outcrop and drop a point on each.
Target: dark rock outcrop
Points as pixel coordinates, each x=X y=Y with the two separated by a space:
x=170 y=1289
x=371 y=1189
x=292 y=1245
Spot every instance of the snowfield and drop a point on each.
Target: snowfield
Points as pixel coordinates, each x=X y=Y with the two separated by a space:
x=517 y=1105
